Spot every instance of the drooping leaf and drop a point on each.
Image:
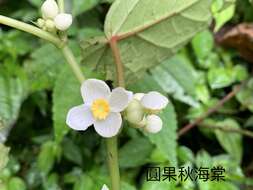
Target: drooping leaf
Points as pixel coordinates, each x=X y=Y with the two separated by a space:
x=168 y=26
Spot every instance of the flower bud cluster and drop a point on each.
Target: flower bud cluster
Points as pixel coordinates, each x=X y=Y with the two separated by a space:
x=52 y=20
x=143 y=109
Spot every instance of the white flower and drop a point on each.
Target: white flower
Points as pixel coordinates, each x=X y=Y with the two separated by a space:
x=101 y=108
x=154 y=124
x=154 y=101
x=63 y=21
x=49 y=9
x=105 y=187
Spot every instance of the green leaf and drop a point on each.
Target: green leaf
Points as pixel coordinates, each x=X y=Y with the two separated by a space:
x=43 y=67
x=4 y=151
x=135 y=152
x=203 y=44
x=66 y=95
x=220 y=77
x=177 y=77
x=47 y=156
x=16 y=183
x=71 y=151
x=231 y=142
x=168 y=26
x=166 y=139
x=13 y=91
x=223 y=11
x=81 y=6
x=185 y=154
x=245 y=95
x=45 y=64
x=84 y=183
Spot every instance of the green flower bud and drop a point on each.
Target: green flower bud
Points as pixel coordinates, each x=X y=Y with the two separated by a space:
x=134 y=112
x=40 y=22
x=50 y=26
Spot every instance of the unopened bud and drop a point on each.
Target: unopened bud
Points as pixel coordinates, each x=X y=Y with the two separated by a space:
x=50 y=25
x=40 y=22
x=49 y=9
x=63 y=21
x=154 y=124
x=134 y=112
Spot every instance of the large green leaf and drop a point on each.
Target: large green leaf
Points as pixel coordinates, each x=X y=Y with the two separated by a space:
x=66 y=95
x=168 y=26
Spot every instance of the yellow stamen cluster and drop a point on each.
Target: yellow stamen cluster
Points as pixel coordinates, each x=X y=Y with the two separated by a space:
x=100 y=109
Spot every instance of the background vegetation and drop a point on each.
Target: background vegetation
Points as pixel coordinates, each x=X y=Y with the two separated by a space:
x=208 y=81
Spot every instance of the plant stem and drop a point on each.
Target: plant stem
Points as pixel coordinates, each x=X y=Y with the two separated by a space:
x=112 y=156
x=112 y=143
x=61 y=5
x=73 y=63
x=117 y=58
x=31 y=29
x=212 y=110
x=229 y=130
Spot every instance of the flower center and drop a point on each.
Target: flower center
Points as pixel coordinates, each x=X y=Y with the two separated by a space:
x=100 y=109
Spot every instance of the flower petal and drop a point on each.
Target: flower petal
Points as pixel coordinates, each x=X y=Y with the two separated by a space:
x=154 y=101
x=154 y=124
x=110 y=126
x=79 y=118
x=119 y=99
x=93 y=89
x=63 y=21
x=105 y=187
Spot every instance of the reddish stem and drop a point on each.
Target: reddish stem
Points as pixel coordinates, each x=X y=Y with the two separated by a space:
x=212 y=110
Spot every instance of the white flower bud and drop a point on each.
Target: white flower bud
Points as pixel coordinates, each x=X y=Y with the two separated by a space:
x=49 y=9
x=63 y=21
x=40 y=22
x=134 y=112
x=154 y=124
